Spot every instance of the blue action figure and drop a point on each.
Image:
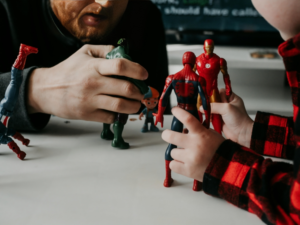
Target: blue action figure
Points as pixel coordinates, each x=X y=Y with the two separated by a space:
x=150 y=101
x=10 y=99
x=187 y=85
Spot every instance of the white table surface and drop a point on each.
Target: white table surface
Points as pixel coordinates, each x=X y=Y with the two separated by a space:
x=71 y=176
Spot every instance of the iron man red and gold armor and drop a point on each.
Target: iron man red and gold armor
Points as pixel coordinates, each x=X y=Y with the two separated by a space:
x=208 y=66
x=9 y=101
x=187 y=85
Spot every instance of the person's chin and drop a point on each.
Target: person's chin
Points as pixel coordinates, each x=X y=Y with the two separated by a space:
x=91 y=34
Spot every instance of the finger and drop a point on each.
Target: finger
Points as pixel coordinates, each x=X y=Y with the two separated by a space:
x=223 y=95
x=174 y=138
x=191 y=123
x=225 y=98
x=177 y=167
x=118 y=87
x=219 y=108
x=115 y=104
x=97 y=51
x=179 y=154
x=120 y=67
x=100 y=116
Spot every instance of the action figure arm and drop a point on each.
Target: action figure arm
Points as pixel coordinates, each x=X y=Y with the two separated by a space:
x=227 y=82
x=143 y=113
x=205 y=101
x=163 y=102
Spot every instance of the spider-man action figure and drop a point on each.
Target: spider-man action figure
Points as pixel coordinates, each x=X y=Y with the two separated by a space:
x=8 y=103
x=208 y=66
x=187 y=85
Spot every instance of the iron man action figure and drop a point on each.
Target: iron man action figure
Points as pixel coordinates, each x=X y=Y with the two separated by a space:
x=187 y=85
x=208 y=66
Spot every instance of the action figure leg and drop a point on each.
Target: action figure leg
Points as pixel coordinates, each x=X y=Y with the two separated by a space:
x=118 y=141
x=145 y=127
x=12 y=133
x=153 y=127
x=178 y=127
x=216 y=118
x=12 y=145
x=107 y=134
x=199 y=103
x=217 y=122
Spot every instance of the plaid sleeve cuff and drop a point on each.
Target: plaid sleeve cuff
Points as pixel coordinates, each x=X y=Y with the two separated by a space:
x=228 y=173
x=273 y=135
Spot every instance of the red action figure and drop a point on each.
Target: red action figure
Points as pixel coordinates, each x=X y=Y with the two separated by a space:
x=187 y=85
x=208 y=66
x=9 y=101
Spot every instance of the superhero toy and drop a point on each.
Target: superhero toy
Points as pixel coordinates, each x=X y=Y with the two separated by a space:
x=150 y=101
x=208 y=66
x=121 y=51
x=10 y=99
x=187 y=85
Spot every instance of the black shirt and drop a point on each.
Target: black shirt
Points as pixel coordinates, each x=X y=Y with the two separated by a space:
x=33 y=23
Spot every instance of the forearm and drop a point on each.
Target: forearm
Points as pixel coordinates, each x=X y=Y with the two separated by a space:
x=273 y=135
x=250 y=182
x=21 y=120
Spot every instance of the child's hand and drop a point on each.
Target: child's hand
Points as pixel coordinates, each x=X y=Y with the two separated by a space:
x=237 y=124
x=199 y=146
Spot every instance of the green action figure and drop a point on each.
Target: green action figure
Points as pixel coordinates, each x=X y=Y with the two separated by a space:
x=121 y=119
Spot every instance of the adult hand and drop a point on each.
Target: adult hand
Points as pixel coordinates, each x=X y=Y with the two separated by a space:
x=81 y=87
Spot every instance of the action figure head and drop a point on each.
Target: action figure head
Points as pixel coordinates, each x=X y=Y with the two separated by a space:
x=281 y=14
x=189 y=58
x=209 y=46
x=91 y=21
x=151 y=98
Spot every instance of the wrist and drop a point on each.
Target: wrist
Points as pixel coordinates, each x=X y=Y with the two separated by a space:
x=34 y=90
x=246 y=134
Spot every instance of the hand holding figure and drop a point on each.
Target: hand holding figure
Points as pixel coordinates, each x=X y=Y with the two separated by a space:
x=198 y=146
x=237 y=124
x=81 y=87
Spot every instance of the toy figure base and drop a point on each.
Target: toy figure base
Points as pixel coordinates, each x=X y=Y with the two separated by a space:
x=120 y=144
x=197 y=186
x=168 y=182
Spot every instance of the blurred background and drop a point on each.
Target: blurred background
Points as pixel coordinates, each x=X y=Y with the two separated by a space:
x=239 y=32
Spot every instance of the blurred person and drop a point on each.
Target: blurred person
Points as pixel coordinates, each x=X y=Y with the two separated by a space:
x=70 y=76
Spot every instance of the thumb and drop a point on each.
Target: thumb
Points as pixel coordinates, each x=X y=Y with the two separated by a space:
x=217 y=108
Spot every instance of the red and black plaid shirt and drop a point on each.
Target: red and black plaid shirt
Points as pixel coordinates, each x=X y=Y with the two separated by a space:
x=271 y=190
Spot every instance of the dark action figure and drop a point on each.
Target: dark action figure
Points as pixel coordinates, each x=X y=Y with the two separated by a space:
x=121 y=119
x=8 y=103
